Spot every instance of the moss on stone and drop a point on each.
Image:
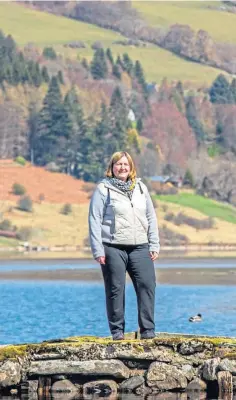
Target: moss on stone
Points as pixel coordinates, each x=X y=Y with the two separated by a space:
x=230 y=355
x=13 y=352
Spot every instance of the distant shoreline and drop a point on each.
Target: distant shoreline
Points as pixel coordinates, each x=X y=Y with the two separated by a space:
x=171 y=253
x=172 y=276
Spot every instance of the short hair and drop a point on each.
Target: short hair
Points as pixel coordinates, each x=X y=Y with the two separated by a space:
x=116 y=157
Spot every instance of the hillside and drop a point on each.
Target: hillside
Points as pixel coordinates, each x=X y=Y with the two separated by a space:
x=48 y=29
x=207 y=15
x=49 y=227
x=55 y=187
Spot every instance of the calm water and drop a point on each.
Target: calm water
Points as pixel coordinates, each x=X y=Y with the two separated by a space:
x=35 y=311
x=29 y=265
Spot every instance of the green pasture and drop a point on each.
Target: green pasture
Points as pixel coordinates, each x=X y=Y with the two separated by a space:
x=220 y=24
x=28 y=25
x=157 y=63
x=205 y=205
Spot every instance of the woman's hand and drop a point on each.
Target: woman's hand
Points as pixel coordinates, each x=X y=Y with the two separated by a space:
x=153 y=255
x=101 y=260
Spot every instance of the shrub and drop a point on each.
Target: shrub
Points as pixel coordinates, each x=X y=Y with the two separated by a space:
x=76 y=44
x=163 y=189
x=181 y=218
x=25 y=204
x=168 y=237
x=89 y=188
x=6 y=225
x=188 y=178
x=97 y=45
x=164 y=207
x=86 y=242
x=41 y=197
x=49 y=52
x=18 y=189
x=24 y=233
x=214 y=150
x=20 y=160
x=169 y=217
x=66 y=209
x=52 y=167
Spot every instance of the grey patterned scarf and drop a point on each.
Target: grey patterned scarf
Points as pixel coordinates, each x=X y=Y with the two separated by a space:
x=126 y=187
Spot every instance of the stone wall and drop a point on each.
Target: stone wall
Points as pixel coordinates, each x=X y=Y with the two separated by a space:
x=92 y=367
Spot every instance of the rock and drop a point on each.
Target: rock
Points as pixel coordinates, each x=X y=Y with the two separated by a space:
x=33 y=386
x=14 y=392
x=194 y=346
x=64 y=386
x=132 y=383
x=197 y=384
x=114 y=368
x=210 y=368
x=29 y=387
x=225 y=383
x=63 y=396
x=234 y=383
x=137 y=372
x=143 y=390
x=165 y=377
x=10 y=373
x=228 y=365
x=188 y=371
x=101 y=388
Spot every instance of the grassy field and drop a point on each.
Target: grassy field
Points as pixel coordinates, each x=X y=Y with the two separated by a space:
x=206 y=206
x=221 y=25
x=50 y=227
x=27 y=25
x=157 y=63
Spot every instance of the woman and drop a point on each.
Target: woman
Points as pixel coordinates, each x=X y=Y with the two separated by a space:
x=124 y=237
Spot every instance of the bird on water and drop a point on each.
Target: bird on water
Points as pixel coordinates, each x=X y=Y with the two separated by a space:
x=196 y=318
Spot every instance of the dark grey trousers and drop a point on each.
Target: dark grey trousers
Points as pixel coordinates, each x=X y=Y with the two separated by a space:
x=137 y=262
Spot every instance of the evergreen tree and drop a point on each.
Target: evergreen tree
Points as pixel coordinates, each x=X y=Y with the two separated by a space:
x=97 y=149
x=50 y=125
x=220 y=91
x=110 y=56
x=84 y=63
x=139 y=125
x=179 y=88
x=45 y=75
x=138 y=73
x=76 y=129
x=127 y=63
x=233 y=90
x=60 y=77
x=99 y=66
x=192 y=117
x=119 y=62
x=116 y=71
x=119 y=121
x=35 y=75
x=49 y=53
x=32 y=123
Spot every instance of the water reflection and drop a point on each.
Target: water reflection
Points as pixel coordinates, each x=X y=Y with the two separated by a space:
x=194 y=395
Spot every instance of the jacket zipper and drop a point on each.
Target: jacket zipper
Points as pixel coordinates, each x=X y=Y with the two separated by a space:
x=134 y=232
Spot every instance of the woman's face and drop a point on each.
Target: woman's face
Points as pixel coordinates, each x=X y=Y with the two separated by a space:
x=121 y=169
